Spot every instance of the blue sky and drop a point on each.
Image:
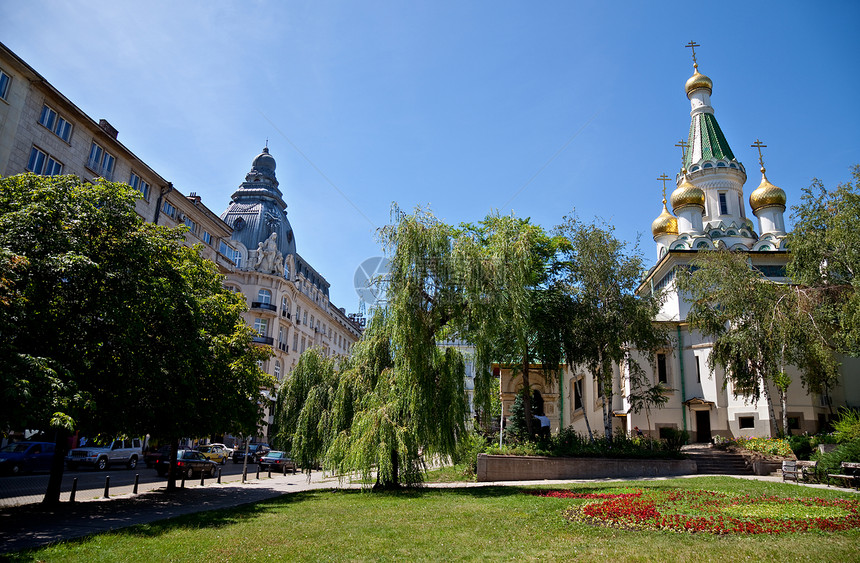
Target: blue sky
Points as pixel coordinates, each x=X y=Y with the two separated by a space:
x=538 y=108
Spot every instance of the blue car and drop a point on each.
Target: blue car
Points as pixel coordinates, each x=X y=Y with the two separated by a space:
x=24 y=457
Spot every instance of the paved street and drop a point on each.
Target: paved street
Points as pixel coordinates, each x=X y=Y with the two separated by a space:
x=29 y=489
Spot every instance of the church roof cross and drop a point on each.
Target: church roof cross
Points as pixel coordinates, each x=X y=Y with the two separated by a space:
x=759 y=145
x=683 y=144
x=692 y=45
x=664 y=178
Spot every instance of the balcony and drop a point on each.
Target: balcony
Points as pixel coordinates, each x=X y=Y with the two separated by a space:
x=267 y=307
x=285 y=313
x=267 y=340
x=282 y=346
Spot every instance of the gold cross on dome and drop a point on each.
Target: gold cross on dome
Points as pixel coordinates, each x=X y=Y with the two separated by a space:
x=683 y=144
x=759 y=145
x=692 y=45
x=664 y=178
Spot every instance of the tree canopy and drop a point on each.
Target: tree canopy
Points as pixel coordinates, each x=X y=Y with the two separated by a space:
x=112 y=325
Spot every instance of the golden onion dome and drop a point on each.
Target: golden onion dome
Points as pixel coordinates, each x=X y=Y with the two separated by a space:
x=698 y=81
x=665 y=223
x=766 y=195
x=687 y=194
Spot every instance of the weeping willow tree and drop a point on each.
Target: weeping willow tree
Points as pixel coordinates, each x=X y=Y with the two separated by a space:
x=398 y=400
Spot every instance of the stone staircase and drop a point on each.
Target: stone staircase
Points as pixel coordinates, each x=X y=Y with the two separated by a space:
x=716 y=462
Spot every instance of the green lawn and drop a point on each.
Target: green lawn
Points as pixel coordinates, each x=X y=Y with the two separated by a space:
x=480 y=524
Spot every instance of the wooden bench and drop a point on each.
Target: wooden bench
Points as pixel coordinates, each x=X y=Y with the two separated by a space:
x=794 y=470
x=850 y=473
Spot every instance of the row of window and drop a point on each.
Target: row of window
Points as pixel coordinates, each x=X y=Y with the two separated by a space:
x=5 y=81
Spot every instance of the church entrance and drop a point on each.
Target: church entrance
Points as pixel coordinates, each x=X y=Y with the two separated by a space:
x=703 y=426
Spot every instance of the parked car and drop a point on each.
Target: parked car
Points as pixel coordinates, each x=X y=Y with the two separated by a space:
x=188 y=463
x=215 y=452
x=24 y=457
x=279 y=461
x=127 y=451
x=152 y=456
x=226 y=449
x=255 y=452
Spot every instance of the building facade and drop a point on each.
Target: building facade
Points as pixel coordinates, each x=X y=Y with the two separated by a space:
x=288 y=300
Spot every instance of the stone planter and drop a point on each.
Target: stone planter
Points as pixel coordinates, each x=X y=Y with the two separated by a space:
x=531 y=468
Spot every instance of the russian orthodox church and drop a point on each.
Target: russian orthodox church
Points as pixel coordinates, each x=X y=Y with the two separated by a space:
x=288 y=301
x=708 y=213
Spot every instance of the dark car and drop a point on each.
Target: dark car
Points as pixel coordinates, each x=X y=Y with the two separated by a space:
x=188 y=464
x=24 y=457
x=150 y=458
x=277 y=461
x=255 y=452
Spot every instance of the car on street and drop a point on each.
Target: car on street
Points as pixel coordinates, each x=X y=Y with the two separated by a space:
x=215 y=452
x=188 y=464
x=277 y=461
x=126 y=451
x=255 y=452
x=151 y=457
x=24 y=457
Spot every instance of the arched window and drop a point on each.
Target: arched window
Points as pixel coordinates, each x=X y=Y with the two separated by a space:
x=264 y=296
x=277 y=370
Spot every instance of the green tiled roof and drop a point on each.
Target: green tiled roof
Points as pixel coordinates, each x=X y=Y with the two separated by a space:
x=706 y=141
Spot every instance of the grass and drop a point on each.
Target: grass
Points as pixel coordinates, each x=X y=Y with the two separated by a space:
x=471 y=524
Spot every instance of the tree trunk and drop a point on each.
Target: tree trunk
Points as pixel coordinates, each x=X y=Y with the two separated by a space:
x=55 y=481
x=578 y=382
x=606 y=386
x=171 y=470
x=773 y=419
x=527 y=397
x=783 y=403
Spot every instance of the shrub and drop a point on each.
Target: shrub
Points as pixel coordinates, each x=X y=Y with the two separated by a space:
x=802 y=446
x=829 y=462
x=467 y=451
x=848 y=426
x=675 y=438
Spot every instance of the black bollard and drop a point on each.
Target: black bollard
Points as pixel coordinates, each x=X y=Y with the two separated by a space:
x=258 y=472
x=136 y=481
x=219 y=475
x=202 y=478
x=183 y=481
x=270 y=472
x=74 y=489
x=107 y=486
x=244 y=474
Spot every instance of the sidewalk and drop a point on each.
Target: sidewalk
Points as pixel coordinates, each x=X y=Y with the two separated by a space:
x=32 y=526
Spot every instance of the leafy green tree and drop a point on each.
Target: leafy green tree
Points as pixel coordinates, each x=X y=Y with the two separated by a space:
x=112 y=325
x=606 y=319
x=511 y=309
x=758 y=327
x=825 y=260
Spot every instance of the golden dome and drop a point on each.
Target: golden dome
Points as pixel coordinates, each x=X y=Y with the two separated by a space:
x=698 y=81
x=665 y=223
x=766 y=195
x=687 y=194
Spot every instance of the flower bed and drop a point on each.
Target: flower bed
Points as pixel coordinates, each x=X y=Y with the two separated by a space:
x=709 y=512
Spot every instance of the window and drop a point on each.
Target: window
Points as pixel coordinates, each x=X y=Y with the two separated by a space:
x=206 y=237
x=662 y=373
x=264 y=296
x=42 y=163
x=298 y=315
x=139 y=184
x=312 y=321
x=56 y=123
x=101 y=162
x=261 y=326
x=577 y=396
x=277 y=370
x=5 y=80
x=698 y=369
x=303 y=345
x=282 y=339
x=741 y=206
x=305 y=318
x=192 y=226
x=724 y=205
x=168 y=209
x=295 y=341
x=285 y=307
x=231 y=253
x=746 y=421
